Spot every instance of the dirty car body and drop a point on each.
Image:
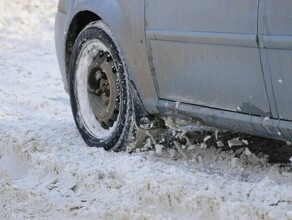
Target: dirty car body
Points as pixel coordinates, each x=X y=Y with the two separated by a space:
x=225 y=63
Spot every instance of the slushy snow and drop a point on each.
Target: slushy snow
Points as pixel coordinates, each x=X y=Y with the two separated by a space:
x=47 y=172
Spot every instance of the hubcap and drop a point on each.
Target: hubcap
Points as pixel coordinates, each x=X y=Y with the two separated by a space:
x=102 y=89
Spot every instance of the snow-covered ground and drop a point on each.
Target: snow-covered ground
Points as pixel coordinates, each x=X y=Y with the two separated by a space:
x=47 y=172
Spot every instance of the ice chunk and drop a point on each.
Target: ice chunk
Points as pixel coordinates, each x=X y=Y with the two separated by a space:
x=207 y=138
x=220 y=144
x=169 y=122
x=216 y=134
x=192 y=147
x=203 y=146
x=158 y=148
x=234 y=142
x=247 y=152
x=245 y=142
x=180 y=150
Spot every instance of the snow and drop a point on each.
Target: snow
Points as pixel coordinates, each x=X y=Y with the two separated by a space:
x=47 y=172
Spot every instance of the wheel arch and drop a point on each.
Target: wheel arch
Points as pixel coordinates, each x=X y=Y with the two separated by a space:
x=81 y=13
x=77 y=24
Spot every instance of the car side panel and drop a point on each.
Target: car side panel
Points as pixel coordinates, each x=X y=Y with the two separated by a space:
x=275 y=32
x=205 y=53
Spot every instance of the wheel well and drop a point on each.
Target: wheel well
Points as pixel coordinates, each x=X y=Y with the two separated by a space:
x=78 y=23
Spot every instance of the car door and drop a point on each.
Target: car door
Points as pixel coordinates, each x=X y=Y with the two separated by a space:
x=275 y=33
x=205 y=52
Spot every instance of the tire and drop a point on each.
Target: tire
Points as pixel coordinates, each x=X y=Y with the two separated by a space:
x=99 y=89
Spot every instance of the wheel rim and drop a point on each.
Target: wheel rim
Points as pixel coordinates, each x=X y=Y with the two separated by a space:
x=97 y=88
x=102 y=88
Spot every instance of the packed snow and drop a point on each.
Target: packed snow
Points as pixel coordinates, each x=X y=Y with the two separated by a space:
x=47 y=172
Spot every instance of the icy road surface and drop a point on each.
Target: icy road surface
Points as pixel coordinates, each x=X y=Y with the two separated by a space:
x=47 y=172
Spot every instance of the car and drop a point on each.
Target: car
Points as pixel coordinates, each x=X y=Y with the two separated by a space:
x=225 y=64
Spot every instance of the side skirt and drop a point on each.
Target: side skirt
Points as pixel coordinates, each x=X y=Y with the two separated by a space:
x=222 y=119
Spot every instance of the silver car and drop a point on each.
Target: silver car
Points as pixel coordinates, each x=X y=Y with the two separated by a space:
x=225 y=63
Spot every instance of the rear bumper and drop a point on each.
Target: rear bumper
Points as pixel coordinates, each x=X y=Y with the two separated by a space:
x=60 y=40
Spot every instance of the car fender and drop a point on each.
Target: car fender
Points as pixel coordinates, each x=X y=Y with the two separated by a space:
x=130 y=36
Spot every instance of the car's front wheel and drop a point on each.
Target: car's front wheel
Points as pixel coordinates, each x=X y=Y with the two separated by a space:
x=99 y=88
